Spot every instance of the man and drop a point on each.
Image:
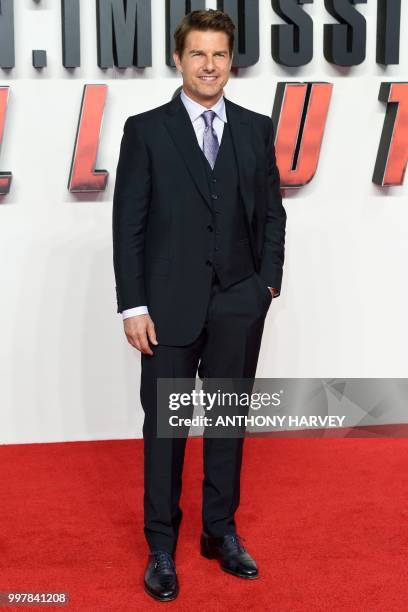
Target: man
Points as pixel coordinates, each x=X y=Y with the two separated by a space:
x=198 y=239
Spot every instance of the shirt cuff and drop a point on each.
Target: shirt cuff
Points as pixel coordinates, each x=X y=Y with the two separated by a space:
x=275 y=292
x=134 y=312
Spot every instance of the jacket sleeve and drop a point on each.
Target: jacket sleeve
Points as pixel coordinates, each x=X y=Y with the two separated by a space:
x=272 y=257
x=131 y=201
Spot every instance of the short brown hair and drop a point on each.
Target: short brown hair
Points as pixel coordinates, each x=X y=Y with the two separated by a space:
x=203 y=20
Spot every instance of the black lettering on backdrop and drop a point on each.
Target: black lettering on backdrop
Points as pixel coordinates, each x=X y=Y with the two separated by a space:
x=124 y=35
x=7 y=57
x=344 y=43
x=388 y=31
x=71 y=44
x=292 y=42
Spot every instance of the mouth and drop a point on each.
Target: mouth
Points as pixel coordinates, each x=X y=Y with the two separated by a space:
x=208 y=79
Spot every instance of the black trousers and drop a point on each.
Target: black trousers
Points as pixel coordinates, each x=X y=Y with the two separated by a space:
x=228 y=346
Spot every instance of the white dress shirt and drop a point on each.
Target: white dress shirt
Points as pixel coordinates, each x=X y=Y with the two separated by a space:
x=195 y=111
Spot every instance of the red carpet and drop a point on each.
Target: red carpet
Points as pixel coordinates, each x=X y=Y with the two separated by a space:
x=327 y=521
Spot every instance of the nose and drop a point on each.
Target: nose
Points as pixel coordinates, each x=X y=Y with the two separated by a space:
x=209 y=63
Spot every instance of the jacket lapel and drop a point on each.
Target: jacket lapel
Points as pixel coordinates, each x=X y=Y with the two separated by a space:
x=182 y=132
x=244 y=153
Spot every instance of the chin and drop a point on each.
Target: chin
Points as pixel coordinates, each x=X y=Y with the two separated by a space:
x=209 y=91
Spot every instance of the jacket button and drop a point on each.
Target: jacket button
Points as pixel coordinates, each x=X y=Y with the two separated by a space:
x=214 y=196
x=210 y=228
x=208 y=262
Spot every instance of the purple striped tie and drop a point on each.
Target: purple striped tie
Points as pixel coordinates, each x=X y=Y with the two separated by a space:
x=210 y=143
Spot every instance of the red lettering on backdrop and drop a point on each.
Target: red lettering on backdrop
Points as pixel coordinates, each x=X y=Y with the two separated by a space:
x=392 y=156
x=5 y=177
x=301 y=110
x=83 y=176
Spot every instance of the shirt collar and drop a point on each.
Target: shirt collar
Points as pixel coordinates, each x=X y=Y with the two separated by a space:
x=195 y=109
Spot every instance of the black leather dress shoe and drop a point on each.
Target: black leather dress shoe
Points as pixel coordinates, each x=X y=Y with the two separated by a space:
x=160 y=579
x=231 y=553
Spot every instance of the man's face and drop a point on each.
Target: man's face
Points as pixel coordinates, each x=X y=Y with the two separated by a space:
x=205 y=65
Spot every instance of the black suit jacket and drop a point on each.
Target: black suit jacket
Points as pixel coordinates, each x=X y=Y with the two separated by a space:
x=162 y=209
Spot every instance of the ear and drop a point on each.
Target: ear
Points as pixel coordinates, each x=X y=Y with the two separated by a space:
x=176 y=59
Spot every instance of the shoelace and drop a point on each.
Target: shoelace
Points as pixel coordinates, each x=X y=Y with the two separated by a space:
x=234 y=541
x=163 y=561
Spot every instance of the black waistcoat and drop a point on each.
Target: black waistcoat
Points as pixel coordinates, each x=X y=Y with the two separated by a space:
x=230 y=251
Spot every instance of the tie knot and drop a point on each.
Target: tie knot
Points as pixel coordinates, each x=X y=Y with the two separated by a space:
x=208 y=118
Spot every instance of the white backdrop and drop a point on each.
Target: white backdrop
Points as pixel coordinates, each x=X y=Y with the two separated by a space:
x=67 y=371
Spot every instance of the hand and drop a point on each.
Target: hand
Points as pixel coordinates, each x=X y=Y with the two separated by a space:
x=139 y=329
x=273 y=291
